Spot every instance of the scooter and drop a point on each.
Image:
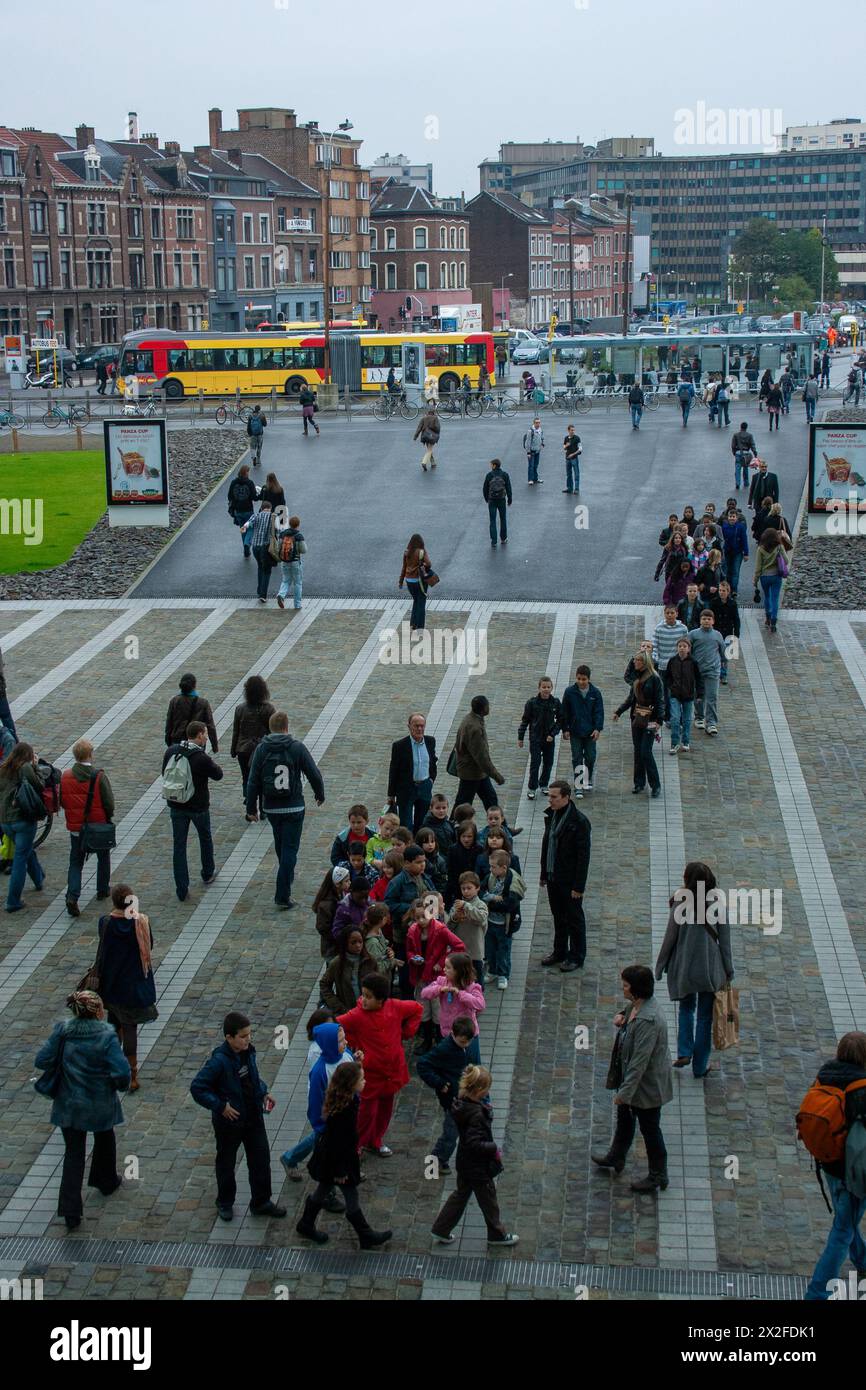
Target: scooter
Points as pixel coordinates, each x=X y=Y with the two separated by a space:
x=45 y=378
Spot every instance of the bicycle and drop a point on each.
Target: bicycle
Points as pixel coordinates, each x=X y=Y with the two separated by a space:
x=572 y=401
x=229 y=411
x=148 y=407
x=44 y=831
x=10 y=421
x=503 y=406
x=461 y=404
x=390 y=404
x=71 y=415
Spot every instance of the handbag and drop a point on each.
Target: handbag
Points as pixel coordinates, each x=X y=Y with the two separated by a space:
x=614 y=1071
x=429 y=578
x=29 y=802
x=451 y=765
x=726 y=1018
x=90 y=979
x=782 y=564
x=97 y=835
x=48 y=1084
x=641 y=716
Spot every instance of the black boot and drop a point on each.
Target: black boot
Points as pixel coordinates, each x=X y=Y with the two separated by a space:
x=306 y=1227
x=655 y=1178
x=368 y=1239
x=424 y=1041
x=609 y=1160
x=334 y=1203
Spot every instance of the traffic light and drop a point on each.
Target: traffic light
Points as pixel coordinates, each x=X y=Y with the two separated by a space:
x=402 y=313
x=434 y=312
x=408 y=305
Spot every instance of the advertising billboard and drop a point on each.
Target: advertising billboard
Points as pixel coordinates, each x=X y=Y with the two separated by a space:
x=136 y=463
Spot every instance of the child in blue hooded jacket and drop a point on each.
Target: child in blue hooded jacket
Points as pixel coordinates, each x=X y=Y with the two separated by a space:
x=331 y=1041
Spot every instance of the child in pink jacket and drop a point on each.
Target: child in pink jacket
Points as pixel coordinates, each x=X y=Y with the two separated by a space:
x=428 y=942
x=458 y=992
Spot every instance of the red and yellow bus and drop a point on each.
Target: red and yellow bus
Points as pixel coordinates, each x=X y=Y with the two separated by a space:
x=218 y=364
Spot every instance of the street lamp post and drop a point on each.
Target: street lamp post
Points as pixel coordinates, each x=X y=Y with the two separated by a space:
x=823 y=252
x=626 y=296
x=570 y=207
x=509 y=276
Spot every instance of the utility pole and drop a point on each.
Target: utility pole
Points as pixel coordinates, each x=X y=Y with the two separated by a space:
x=823 y=254
x=627 y=286
x=571 y=271
x=327 y=160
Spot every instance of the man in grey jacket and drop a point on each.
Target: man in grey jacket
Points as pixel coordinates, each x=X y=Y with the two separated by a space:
x=5 y=712
x=708 y=650
x=475 y=766
x=533 y=443
x=275 y=776
x=640 y=1073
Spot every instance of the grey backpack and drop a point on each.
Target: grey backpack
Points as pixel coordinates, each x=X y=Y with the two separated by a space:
x=177 y=782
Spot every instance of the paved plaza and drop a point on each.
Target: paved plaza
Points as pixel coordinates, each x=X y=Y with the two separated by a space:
x=776 y=802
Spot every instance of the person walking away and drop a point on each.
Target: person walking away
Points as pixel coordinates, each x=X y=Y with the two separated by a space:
x=533 y=443
x=261 y=533
x=241 y=499
x=85 y=1068
x=825 y=371
x=86 y=798
x=685 y=396
x=428 y=430
x=498 y=496
x=416 y=565
x=125 y=968
x=810 y=398
x=774 y=405
x=186 y=770
x=335 y=1159
x=274 y=493
x=275 y=774
x=723 y=404
x=645 y=703
x=708 y=650
x=636 y=403
x=185 y=707
x=292 y=549
x=582 y=724
x=478 y=1162
x=683 y=685
x=441 y=1070
x=475 y=767
x=736 y=547
x=541 y=716
x=565 y=856
x=771 y=568
x=256 y=426
x=101 y=377
x=251 y=724
x=229 y=1086
x=696 y=957
x=845 y=1074
x=640 y=1074
x=786 y=386
x=17 y=768
x=309 y=406
x=764 y=389
x=377 y=1028
x=573 y=449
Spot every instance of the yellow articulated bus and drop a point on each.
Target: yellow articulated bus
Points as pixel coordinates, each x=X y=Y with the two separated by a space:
x=218 y=364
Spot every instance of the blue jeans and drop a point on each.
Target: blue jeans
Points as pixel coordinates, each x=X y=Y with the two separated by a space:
x=22 y=833
x=741 y=466
x=532 y=459
x=810 y=411
x=263 y=563
x=844 y=1239
x=636 y=413
x=447 y=1141
x=696 y=1041
x=772 y=586
x=180 y=824
x=76 y=866
x=685 y=407
x=6 y=716
x=241 y=519
x=681 y=721
x=572 y=473
x=293 y=578
x=494 y=510
x=497 y=949
x=584 y=750
x=723 y=408
x=419 y=603
x=413 y=808
x=733 y=563
x=292 y=1157
x=287 y=842
x=541 y=755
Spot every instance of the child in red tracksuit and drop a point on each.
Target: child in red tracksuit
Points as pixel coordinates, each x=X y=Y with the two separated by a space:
x=428 y=943
x=378 y=1026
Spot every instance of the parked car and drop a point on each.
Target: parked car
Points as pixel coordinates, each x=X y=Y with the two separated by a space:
x=87 y=359
x=529 y=352
x=520 y=335
x=766 y=323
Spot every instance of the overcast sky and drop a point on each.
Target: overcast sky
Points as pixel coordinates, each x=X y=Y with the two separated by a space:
x=469 y=73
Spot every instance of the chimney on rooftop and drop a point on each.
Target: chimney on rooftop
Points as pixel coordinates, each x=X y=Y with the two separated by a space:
x=132 y=126
x=150 y=138
x=215 y=127
x=84 y=135
x=172 y=148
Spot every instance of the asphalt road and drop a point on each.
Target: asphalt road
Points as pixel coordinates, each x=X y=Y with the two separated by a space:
x=360 y=493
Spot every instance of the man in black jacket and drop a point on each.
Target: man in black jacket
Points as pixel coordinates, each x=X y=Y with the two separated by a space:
x=565 y=853
x=275 y=776
x=195 y=811
x=411 y=774
x=764 y=484
x=497 y=495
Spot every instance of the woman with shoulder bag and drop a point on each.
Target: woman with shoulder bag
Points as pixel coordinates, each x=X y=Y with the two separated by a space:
x=242 y=497
x=84 y=1069
x=696 y=957
x=771 y=568
x=125 y=972
x=417 y=572
x=251 y=724
x=646 y=703
x=429 y=430
x=20 y=806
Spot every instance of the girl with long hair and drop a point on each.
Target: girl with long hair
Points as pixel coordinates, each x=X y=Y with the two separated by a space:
x=645 y=703
x=19 y=767
x=416 y=565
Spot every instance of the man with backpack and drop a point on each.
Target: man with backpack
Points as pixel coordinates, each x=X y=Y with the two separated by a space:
x=636 y=405
x=292 y=549
x=855 y=383
x=831 y=1123
x=685 y=396
x=256 y=426
x=497 y=495
x=533 y=443
x=722 y=403
x=275 y=776
x=186 y=771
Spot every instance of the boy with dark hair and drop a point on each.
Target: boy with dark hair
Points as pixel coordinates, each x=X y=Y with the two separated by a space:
x=441 y=1069
x=437 y=820
x=727 y=615
x=377 y=1027
x=582 y=722
x=541 y=716
x=229 y=1086
x=357 y=829
x=356 y=863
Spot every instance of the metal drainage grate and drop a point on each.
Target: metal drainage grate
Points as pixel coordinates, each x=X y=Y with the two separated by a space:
x=43 y=1251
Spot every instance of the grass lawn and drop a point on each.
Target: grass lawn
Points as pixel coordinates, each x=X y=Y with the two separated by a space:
x=71 y=490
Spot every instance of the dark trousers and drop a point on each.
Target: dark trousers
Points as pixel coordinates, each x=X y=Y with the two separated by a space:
x=414 y=803
x=180 y=824
x=627 y=1116
x=6 y=716
x=262 y=558
x=483 y=788
x=103 y=1169
x=498 y=509
x=347 y=1191
x=541 y=755
x=76 y=867
x=287 y=841
x=419 y=604
x=229 y=1137
x=645 y=770
x=484 y=1194
x=127 y=1034
x=569 y=924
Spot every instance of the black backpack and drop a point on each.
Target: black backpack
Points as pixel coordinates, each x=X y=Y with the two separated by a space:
x=281 y=775
x=497 y=491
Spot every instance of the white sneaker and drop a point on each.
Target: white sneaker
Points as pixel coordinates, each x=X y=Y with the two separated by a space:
x=530 y=796
x=685 y=748
x=712 y=729
x=675 y=748
x=578 y=794
x=503 y=983
x=700 y=724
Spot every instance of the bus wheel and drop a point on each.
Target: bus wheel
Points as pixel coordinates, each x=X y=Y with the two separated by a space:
x=295 y=385
x=449 y=382
x=173 y=390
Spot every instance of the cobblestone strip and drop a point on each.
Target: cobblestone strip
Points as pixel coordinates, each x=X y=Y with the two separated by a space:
x=32 y=625
x=837 y=959
x=289 y=1088
x=685 y=1211
x=33 y=1203
x=851 y=651
x=52 y=925
x=60 y=674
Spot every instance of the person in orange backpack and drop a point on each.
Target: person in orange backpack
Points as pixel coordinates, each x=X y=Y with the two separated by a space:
x=830 y=1110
